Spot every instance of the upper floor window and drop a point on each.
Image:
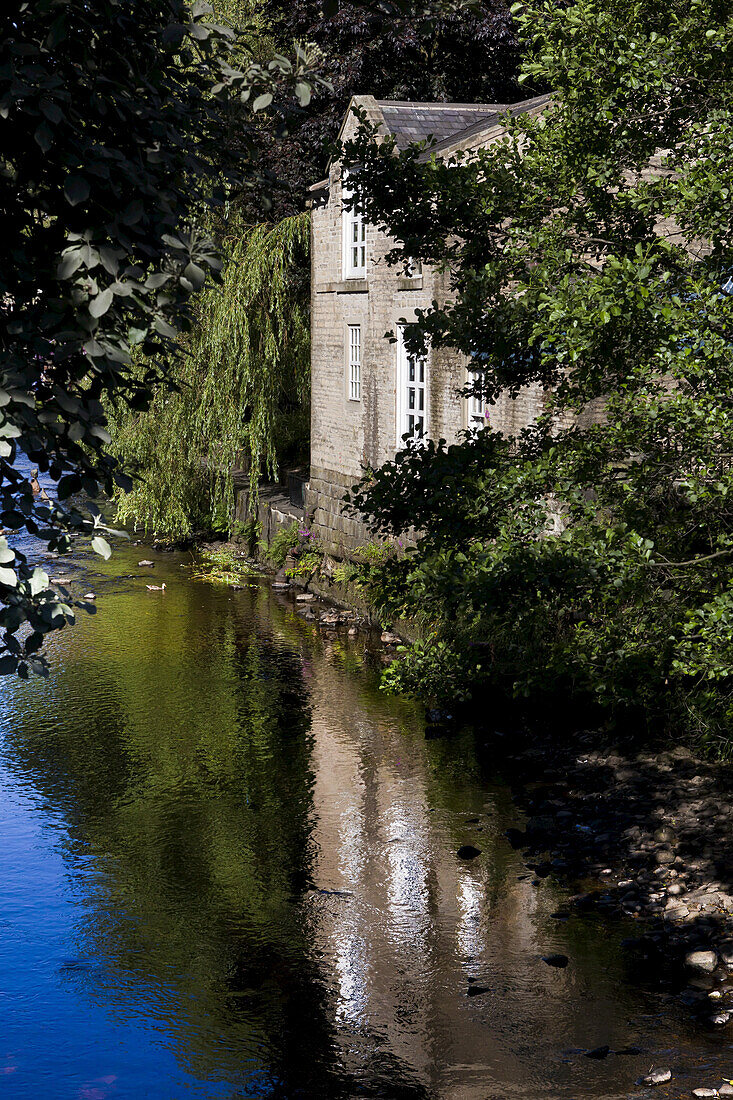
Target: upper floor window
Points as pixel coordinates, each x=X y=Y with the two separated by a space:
x=354 y=231
x=413 y=268
x=354 y=351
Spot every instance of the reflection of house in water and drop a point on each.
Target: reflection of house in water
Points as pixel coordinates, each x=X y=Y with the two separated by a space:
x=411 y=923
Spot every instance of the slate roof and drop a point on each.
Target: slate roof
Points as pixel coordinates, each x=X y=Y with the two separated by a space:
x=418 y=121
x=449 y=123
x=444 y=121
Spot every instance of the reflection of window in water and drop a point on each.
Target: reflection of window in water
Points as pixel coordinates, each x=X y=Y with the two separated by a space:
x=408 y=870
x=471 y=899
x=352 y=965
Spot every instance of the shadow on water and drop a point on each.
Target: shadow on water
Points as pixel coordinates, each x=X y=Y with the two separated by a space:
x=230 y=870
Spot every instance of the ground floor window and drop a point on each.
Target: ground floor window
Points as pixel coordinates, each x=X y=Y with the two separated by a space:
x=478 y=406
x=412 y=393
x=354 y=352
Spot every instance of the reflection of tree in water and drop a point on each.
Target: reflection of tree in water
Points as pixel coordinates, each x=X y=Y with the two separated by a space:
x=188 y=796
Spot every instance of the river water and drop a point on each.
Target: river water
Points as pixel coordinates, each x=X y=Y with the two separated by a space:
x=228 y=869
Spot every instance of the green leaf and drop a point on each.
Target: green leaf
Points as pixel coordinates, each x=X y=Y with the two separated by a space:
x=8 y=665
x=52 y=111
x=99 y=305
x=195 y=275
x=69 y=263
x=44 y=137
x=76 y=189
x=156 y=281
x=69 y=483
x=262 y=101
x=8 y=577
x=39 y=581
x=102 y=547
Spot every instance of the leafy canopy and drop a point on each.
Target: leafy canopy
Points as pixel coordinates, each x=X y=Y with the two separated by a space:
x=591 y=252
x=113 y=119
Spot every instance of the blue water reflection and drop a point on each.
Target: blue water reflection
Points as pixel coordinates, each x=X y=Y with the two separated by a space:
x=228 y=870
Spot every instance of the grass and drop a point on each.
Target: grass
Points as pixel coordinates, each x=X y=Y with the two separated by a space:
x=222 y=566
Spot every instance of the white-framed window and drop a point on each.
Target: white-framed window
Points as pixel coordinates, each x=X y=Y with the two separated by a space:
x=412 y=393
x=478 y=406
x=413 y=268
x=354 y=239
x=354 y=356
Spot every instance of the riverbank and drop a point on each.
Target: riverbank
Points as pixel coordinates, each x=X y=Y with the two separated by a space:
x=659 y=823
x=645 y=839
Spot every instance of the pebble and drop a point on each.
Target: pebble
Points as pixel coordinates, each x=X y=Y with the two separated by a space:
x=700 y=1093
x=657 y=1077
x=388 y=638
x=305 y=597
x=726 y=1089
x=701 y=962
x=146 y=562
x=90 y=596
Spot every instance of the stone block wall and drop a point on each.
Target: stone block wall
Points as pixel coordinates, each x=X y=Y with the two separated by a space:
x=348 y=436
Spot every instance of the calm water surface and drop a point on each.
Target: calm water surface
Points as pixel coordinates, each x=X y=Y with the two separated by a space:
x=228 y=869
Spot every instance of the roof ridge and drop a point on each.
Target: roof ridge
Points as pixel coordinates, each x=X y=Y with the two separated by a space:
x=440 y=104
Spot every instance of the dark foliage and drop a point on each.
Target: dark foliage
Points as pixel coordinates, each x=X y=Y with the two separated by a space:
x=113 y=119
x=465 y=55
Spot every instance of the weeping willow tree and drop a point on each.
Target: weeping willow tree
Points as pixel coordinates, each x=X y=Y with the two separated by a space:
x=243 y=390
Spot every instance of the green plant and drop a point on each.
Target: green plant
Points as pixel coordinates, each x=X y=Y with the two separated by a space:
x=114 y=120
x=307 y=564
x=346 y=573
x=591 y=255
x=283 y=543
x=243 y=385
x=248 y=532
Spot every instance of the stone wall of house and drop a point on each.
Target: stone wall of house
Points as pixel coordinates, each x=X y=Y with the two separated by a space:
x=348 y=436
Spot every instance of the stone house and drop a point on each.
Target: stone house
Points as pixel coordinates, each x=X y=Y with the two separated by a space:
x=368 y=392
